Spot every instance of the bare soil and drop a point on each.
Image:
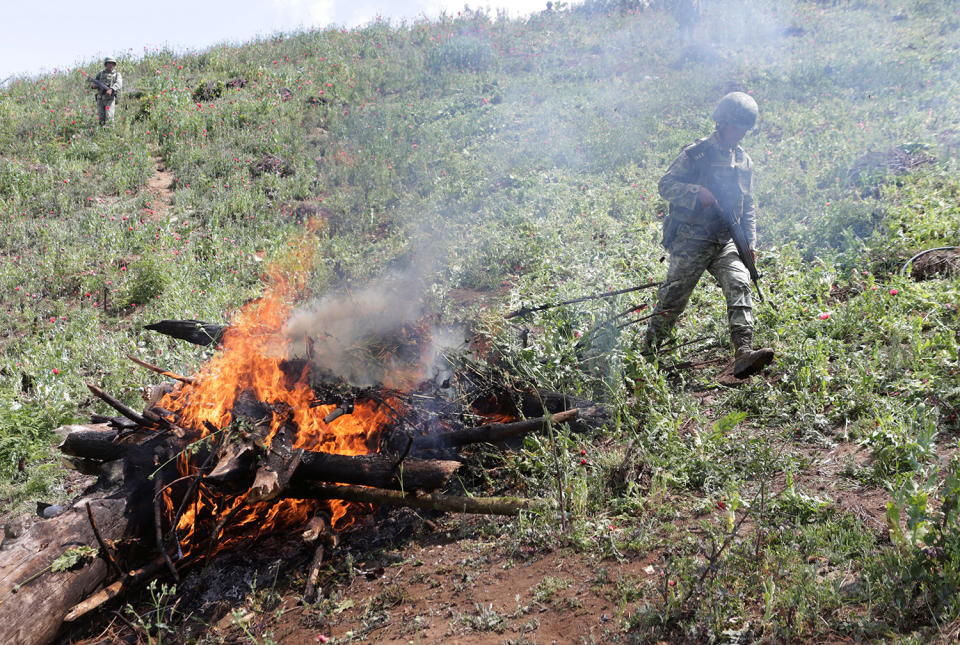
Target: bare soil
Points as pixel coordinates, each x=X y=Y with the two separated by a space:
x=451 y=589
x=158 y=186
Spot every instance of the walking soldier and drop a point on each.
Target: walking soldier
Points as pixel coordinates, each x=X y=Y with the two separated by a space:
x=712 y=173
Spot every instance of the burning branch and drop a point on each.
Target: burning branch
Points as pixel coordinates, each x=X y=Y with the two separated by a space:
x=161 y=371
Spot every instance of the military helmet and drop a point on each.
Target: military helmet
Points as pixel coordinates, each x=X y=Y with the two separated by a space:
x=109 y=59
x=738 y=109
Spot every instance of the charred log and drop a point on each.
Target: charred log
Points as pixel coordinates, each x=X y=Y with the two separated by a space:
x=96 y=442
x=376 y=470
x=192 y=331
x=277 y=467
x=234 y=471
x=238 y=461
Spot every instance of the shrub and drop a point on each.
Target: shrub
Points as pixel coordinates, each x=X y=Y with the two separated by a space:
x=207 y=91
x=149 y=281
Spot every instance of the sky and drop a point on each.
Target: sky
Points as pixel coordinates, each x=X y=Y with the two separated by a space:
x=61 y=34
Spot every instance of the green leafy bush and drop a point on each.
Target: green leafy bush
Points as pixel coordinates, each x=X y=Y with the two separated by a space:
x=148 y=281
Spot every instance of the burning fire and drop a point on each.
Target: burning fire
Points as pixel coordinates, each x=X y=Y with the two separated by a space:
x=252 y=361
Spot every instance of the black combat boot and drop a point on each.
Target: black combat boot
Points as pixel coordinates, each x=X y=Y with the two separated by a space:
x=748 y=361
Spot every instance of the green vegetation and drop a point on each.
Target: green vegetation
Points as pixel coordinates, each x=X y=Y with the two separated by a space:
x=520 y=159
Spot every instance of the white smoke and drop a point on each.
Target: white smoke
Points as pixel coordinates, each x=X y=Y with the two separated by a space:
x=371 y=336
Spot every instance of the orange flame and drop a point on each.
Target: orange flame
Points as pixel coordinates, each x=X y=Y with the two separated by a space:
x=252 y=360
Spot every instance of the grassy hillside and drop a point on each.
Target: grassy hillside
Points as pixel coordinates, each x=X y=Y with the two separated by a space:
x=508 y=162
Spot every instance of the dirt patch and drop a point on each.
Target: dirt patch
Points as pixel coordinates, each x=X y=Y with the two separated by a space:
x=271 y=164
x=936 y=264
x=452 y=590
x=158 y=186
x=825 y=477
x=305 y=210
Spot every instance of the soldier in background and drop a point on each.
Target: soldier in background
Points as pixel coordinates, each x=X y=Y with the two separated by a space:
x=714 y=170
x=688 y=13
x=107 y=99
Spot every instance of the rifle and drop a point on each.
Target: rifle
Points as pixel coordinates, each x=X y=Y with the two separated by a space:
x=740 y=241
x=523 y=311
x=100 y=84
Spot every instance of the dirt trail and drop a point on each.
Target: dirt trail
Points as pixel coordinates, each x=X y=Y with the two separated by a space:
x=158 y=186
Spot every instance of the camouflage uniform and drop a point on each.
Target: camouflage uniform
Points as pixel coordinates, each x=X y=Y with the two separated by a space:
x=106 y=105
x=698 y=242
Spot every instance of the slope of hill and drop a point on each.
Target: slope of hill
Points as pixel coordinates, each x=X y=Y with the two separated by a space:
x=506 y=162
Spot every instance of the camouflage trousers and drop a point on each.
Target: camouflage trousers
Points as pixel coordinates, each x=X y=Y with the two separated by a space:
x=688 y=260
x=106 y=108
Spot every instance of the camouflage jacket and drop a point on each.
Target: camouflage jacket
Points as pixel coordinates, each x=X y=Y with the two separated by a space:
x=728 y=173
x=113 y=80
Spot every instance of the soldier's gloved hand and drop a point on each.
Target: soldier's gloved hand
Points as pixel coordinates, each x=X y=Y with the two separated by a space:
x=109 y=92
x=753 y=254
x=705 y=197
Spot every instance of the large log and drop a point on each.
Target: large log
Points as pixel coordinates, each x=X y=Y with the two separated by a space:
x=91 y=442
x=375 y=470
x=34 y=599
x=237 y=468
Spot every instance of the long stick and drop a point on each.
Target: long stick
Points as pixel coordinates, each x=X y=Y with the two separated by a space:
x=126 y=411
x=161 y=371
x=667 y=348
x=479 y=505
x=494 y=432
x=107 y=593
x=640 y=319
x=158 y=527
x=310 y=591
x=107 y=551
x=607 y=294
x=218 y=529
x=325 y=538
